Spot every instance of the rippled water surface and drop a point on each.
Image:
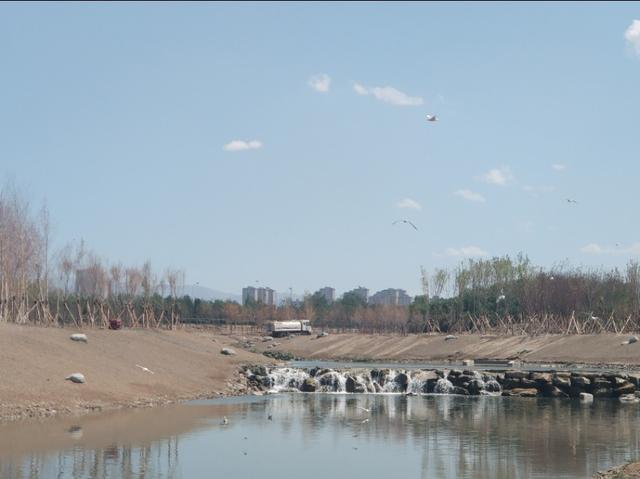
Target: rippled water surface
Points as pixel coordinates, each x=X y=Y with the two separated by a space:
x=328 y=435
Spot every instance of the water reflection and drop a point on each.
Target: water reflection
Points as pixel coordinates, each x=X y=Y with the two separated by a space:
x=329 y=435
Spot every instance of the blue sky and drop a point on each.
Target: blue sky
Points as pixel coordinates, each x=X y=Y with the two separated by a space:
x=118 y=116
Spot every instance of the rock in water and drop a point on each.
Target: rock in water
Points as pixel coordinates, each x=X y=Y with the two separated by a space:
x=629 y=398
x=228 y=352
x=586 y=397
x=76 y=378
x=309 y=385
x=79 y=337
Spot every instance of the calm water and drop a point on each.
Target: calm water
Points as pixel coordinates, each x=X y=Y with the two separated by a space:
x=319 y=436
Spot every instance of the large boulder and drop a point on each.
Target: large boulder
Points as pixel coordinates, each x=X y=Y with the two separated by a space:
x=624 y=389
x=475 y=386
x=353 y=386
x=551 y=391
x=521 y=392
x=402 y=380
x=459 y=390
x=629 y=399
x=309 y=385
x=541 y=378
x=586 y=397
x=77 y=378
x=580 y=382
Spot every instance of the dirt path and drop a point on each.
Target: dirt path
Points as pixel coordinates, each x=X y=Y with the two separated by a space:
x=588 y=349
x=186 y=364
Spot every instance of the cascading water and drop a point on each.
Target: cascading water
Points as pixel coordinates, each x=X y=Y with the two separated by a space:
x=443 y=386
x=389 y=381
x=283 y=379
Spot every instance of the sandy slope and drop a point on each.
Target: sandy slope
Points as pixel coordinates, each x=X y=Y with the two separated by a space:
x=605 y=348
x=34 y=362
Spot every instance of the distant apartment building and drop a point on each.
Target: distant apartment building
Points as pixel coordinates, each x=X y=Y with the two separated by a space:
x=328 y=293
x=361 y=292
x=258 y=295
x=393 y=297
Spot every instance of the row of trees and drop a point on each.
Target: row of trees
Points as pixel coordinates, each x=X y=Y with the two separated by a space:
x=73 y=285
x=498 y=295
x=508 y=295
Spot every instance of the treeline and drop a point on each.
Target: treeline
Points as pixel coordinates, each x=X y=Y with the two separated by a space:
x=73 y=285
x=500 y=295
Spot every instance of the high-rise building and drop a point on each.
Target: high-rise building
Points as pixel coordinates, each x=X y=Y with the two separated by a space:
x=258 y=295
x=393 y=297
x=360 y=292
x=328 y=293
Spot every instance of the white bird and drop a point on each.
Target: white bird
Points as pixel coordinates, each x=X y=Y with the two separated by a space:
x=551 y=278
x=432 y=118
x=406 y=221
x=594 y=318
x=365 y=421
x=225 y=421
x=569 y=200
x=145 y=369
x=502 y=297
x=363 y=408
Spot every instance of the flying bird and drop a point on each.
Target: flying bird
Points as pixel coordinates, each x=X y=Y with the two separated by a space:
x=502 y=297
x=406 y=221
x=365 y=421
x=225 y=421
x=363 y=408
x=432 y=118
x=145 y=369
x=569 y=200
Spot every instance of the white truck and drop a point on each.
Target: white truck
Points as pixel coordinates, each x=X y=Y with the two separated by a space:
x=285 y=328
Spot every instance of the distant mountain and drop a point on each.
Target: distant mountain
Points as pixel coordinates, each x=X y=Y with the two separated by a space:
x=202 y=292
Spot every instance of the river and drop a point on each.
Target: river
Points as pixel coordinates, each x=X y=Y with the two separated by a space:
x=328 y=435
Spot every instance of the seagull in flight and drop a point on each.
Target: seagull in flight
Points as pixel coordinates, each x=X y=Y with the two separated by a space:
x=406 y=221
x=432 y=118
x=145 y=369
x=569 y=200
x=363 y=408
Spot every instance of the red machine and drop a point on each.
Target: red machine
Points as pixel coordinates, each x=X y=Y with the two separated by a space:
x=115 y=324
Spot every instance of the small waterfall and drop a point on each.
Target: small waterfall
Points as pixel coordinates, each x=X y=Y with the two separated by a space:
x=365 y=381
x=443 y=386
x=283 y=379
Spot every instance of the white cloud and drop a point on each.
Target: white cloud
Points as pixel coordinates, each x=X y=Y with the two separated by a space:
x=466 y=251
x=321 y=83
x=241 y=145
x=470 y=196
x=497 y=176
x=359 y=89
x=559 y=167
x=388 y=94
x=632 y=36
x=409 y=203
x=595 y=248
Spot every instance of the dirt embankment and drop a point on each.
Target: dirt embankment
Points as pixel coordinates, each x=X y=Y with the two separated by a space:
x=584 y=349
x=185 y=364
